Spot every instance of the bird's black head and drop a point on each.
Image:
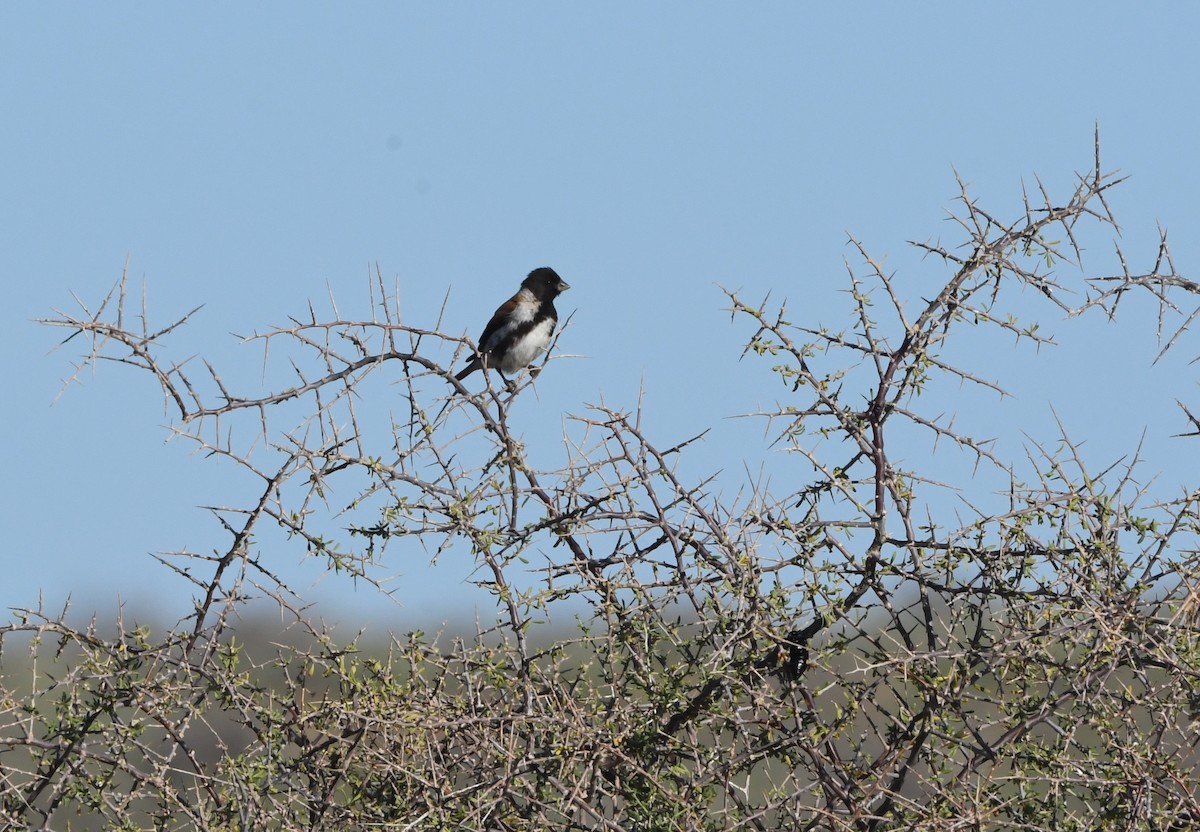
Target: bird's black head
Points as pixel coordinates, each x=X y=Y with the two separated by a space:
x=545 y=284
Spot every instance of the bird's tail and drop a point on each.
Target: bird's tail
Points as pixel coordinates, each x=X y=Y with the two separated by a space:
x=466 y=371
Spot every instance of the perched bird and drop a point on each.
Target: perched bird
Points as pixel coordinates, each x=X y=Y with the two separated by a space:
x=522 y=326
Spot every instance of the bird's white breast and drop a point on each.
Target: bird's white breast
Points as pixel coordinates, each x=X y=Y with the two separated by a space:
x=524 y=350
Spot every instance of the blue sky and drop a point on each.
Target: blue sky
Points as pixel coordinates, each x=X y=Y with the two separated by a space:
x=251 y=158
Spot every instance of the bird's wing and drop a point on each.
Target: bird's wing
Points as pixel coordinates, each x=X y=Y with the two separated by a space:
x=503 y=316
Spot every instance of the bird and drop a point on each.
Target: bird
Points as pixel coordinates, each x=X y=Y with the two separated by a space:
x=522 y=327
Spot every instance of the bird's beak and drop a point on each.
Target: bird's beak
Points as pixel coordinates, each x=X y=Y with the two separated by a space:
x=563 y=285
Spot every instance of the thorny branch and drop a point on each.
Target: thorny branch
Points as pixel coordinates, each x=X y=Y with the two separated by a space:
x=842 y=652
